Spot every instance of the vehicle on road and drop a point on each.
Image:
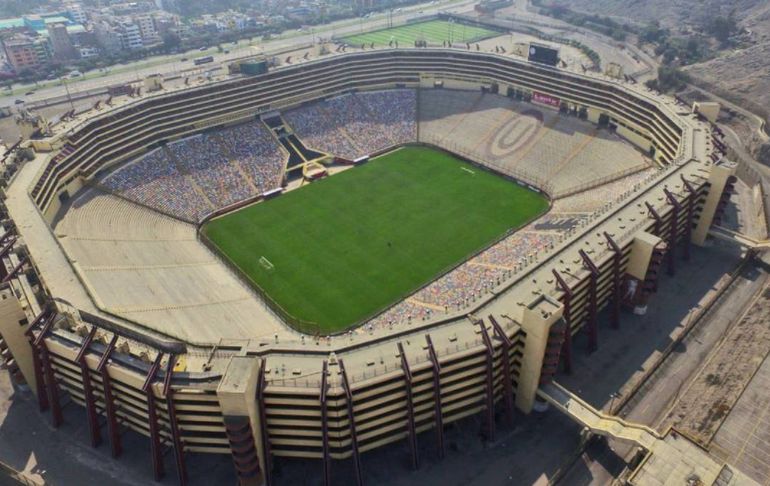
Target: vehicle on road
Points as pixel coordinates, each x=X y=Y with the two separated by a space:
x=203 y=60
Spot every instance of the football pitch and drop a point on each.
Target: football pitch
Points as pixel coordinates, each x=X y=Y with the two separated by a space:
x=433 y=31
x=339 y=250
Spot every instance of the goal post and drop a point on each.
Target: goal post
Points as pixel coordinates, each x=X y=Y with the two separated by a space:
x=266 y=264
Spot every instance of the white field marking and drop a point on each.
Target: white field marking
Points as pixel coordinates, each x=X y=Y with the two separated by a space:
x=468 y=170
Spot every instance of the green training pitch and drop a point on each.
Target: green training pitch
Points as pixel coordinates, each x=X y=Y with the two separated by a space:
x=339 y=250
x=432 y=31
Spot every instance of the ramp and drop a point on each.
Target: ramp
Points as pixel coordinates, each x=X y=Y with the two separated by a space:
x=596 y=421
x=741 y=239
x=672 y=459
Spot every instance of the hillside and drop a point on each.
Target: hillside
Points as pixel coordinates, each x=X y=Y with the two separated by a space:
x=740 y=74
x=670 y=13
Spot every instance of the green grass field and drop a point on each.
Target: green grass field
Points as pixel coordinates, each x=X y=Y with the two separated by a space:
x=346 y=247
x=433 y=31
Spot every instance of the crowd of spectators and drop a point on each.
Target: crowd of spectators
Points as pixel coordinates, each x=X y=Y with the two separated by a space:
x=155 y=181
x=354 y=125
x=204 y=160
x=470 y=282
x=253 y=147
x=227 y=166
x=318 y=130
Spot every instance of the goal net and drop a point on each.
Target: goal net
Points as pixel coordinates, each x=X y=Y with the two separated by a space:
x=265 y=263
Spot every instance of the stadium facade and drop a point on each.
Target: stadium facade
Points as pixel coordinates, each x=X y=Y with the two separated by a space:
x=333 y=398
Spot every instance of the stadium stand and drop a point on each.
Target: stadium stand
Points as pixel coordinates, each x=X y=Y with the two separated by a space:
x=221 y=181
x=156 y=182
x=597 y=197
x=441 y=110
x=194 y=176
x=174 y=278
x=252 y=146
x=354 y=125
x=555 y=151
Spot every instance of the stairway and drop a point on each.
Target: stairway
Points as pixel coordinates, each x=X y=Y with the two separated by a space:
x=738 y=238
x=299 y=154
x=596 y=421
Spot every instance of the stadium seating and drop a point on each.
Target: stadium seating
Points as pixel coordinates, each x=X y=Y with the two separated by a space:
x=191 y=177
x=351 y=126
x=557 y=152
x=203 y=158
x=194 y=176
x=155 y=181
x=174 y=278
x=254 y=149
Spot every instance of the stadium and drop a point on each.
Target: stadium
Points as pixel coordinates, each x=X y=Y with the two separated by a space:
x=341 y=254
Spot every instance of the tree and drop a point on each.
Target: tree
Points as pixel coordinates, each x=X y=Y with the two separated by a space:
x=723 y=27
x=669 y=79
x=669 y=55
x=171 y=41
x=652 y=33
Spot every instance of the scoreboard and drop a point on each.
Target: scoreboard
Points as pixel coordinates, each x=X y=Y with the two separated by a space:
x=543 y=54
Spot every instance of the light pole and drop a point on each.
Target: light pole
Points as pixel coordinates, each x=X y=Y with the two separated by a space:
x=69 y=97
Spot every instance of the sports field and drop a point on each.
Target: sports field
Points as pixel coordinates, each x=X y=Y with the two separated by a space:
x=432 y=31
x=341 y=249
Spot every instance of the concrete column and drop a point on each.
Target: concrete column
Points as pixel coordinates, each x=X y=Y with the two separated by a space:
x=718 y=179
x=642 y=248
x=236 y=392
x=13 y=325
x=538 y=317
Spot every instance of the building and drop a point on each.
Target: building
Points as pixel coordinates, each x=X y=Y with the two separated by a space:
x=61 y=44
x=265 y=391
x=147 y=29
x=129 y=8
x=107 y=37
x=25 y=52
x=116 y=36
x=77 y=13
x=88 y=52
x=48 y=35
x=130 y=36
